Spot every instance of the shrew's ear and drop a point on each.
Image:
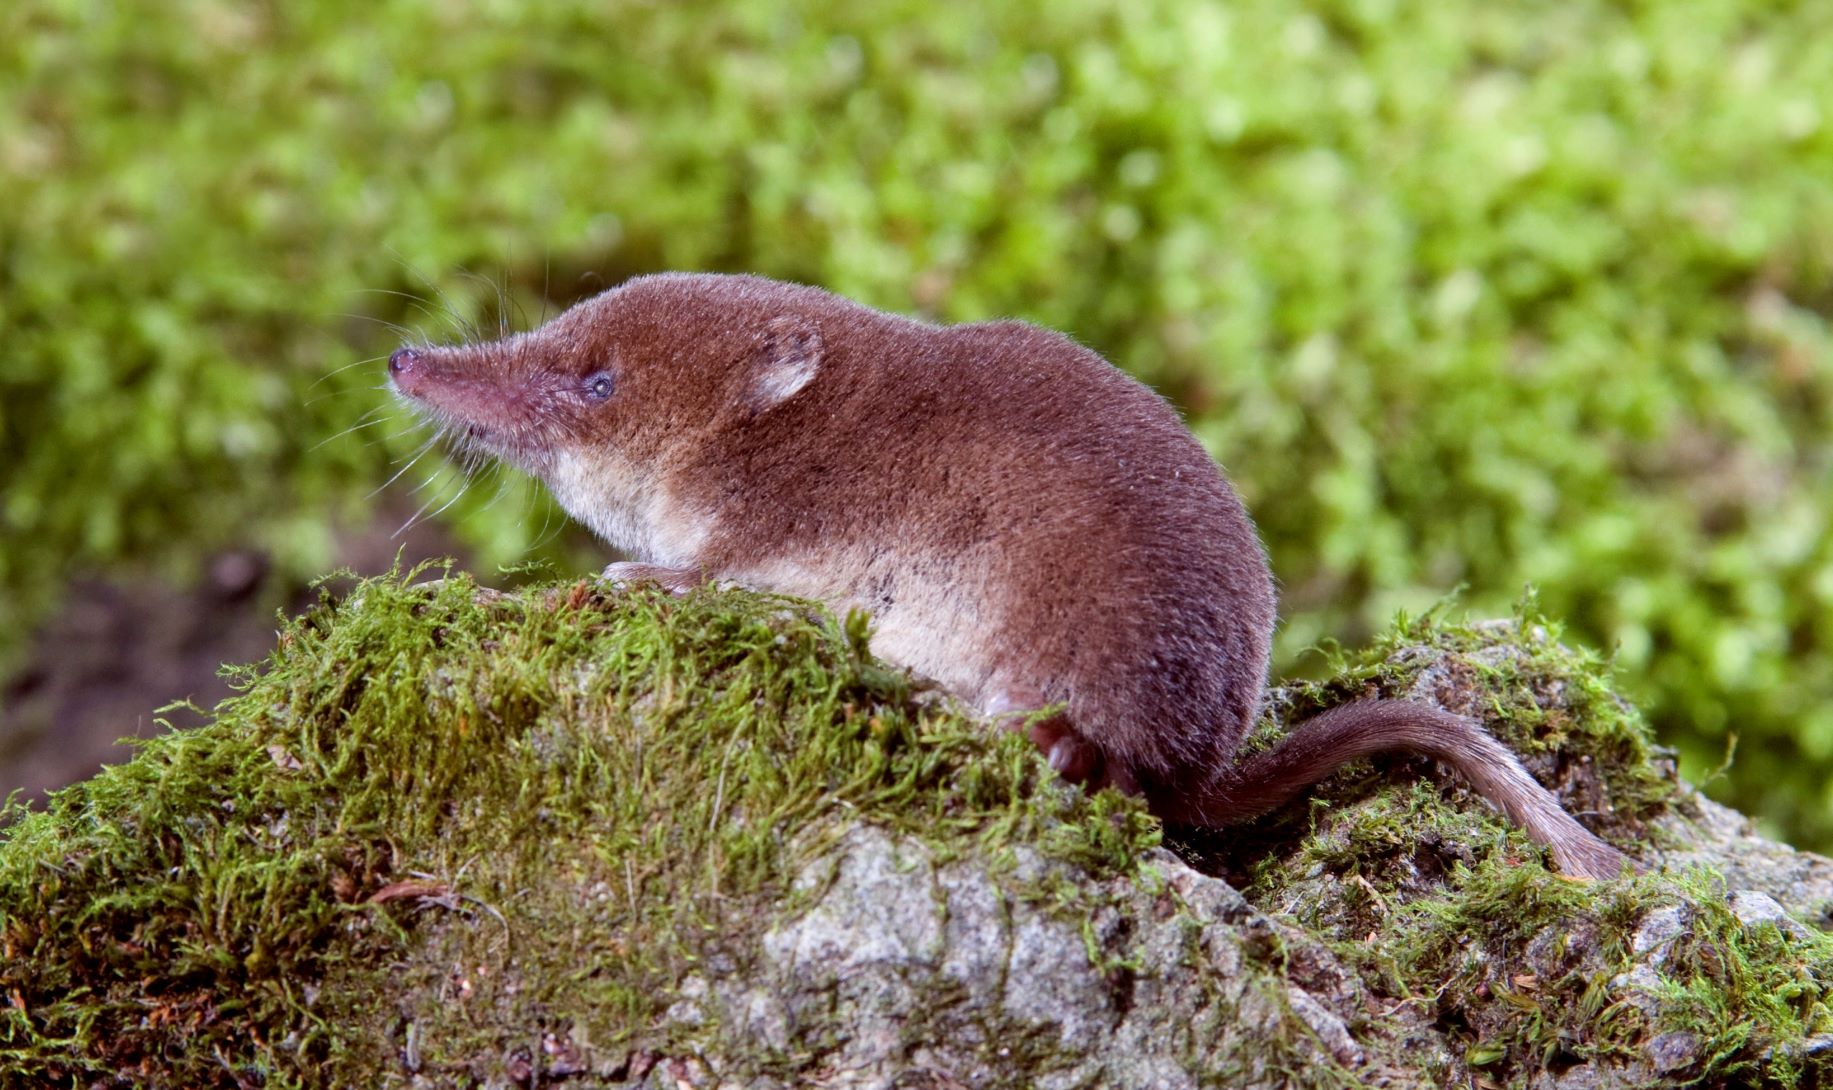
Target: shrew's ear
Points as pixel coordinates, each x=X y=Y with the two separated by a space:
x=787 y=358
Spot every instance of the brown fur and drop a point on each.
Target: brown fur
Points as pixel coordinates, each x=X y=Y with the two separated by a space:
x=1026 y=524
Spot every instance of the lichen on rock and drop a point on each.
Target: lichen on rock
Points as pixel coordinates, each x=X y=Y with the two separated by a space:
x=567 y=836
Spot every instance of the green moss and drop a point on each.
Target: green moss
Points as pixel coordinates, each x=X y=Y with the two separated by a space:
x=1553 y=704
x=443 y=829
x=1460 y=292
x=1526 y=1002
x=1426 y=893
x=462 y=812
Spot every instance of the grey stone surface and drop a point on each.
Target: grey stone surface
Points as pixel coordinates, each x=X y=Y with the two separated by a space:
x=954 y=974
x=914 y=971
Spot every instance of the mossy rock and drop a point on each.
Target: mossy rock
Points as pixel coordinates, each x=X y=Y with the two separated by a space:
x=452 y=837
x=1460 y=292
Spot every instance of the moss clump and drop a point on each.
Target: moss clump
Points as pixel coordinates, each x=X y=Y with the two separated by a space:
x=570 y=800
x=1554 y=980
x=479 y=837
x=1459 y=291
x=1425 y=892
x=1554 y=705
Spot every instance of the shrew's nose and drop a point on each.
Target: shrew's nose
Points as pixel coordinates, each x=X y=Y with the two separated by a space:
x=402 y=361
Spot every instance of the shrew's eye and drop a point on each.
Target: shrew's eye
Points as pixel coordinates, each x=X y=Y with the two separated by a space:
x=599 y=387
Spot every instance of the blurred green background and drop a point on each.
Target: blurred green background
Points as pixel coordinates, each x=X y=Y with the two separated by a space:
x=1462 y=293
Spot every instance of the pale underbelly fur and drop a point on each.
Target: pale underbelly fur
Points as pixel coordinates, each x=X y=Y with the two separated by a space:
x=933 y=627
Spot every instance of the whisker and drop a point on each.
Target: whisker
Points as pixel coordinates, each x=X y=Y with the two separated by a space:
x=353 y=391
x=327 y=376
x=521 y=311
x=442 y=507
x=503 y=480
x=419 y=454
x=477 y=333
x=418 y=304
x=445 y=302
x=432 y=479
x=547 y=274
x=415 y=519
x=402 y=335
x=533 y=503
x=547 y=517
x=362 y=422
x=502 y=304
x=396 y=327
x=409 y=430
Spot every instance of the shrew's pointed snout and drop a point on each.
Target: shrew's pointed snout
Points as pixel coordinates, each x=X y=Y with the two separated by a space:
x=406 y=367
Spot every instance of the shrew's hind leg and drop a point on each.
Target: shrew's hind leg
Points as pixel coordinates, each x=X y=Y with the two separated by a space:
x=1069 y=752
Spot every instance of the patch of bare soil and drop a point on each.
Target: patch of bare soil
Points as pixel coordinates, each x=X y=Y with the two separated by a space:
x=122 y=647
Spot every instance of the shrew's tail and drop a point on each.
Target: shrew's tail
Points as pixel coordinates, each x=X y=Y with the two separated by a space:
x=1322 y=743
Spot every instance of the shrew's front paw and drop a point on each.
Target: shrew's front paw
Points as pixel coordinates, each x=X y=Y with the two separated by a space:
x=628 y=573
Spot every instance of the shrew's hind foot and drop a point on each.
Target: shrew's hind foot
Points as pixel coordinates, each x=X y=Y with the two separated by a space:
x=1070 y=754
